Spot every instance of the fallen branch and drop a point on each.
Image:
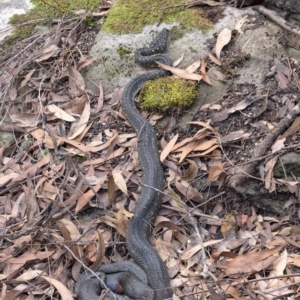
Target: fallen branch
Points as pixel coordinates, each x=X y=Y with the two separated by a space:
x=263 y=147
x=274 y=16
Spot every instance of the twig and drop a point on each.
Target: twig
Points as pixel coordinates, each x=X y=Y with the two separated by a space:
x=273 y=15
x=264 y=146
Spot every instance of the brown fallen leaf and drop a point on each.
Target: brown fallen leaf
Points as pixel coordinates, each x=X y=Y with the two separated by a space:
x=215 y=172
x=180 y=73
x=76 y=81
x=27 y=77
x=251 y=262
x=26 y=119
x=214 y=59
x=100 y=99
x=48 y=52
x=194 y=66
x=270 y=183
x=59 y=113
x=282 y=80
x=204 y=73
x=77 y=128
x=86 y=197
x=224 y=38
x=120 y=181
x=61 y=288
x=168 y=148
x=192 y=171
x=75 y=105
x=120 y=221
x=84 y=62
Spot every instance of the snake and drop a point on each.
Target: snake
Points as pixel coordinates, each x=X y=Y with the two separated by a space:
x=147 y=277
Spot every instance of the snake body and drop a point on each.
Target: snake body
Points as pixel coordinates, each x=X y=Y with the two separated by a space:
x=139 y=227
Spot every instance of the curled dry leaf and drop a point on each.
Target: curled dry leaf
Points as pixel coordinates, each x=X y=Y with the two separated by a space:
x=61 y=288
x=78 y=128
x=224 y=38
x=120 y=221
x=75 y=105
x=6 y=178
x=278 y=145
x=86 y=197
x=178 y=61
x=59 y=113
x=234 y=136
x=251 y=262
x=28 y=275
x=43 y=137
x=192 y=171
x=166 y=151
x=189 y=253
x=26 y=119
x=86 y=62
x=27 y=77
x=214 y=59
x=204 y=73
x=100 y=99
x=194 y=66
x=270 y=183
x=76 y=81
x=120 y=182
x=215 y=172
x=180 y=73
x=240 y=23
x=282 y=80
x=48 y=52
x=100 y=251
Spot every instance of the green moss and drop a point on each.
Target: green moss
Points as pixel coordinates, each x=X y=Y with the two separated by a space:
x=167 y=92
x=44 y=9
x=61 y=7
x=128 y=16
x=23 y=31
x=123 y=51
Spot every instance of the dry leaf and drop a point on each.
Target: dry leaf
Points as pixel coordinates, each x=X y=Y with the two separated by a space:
x=120 y=182
x=251 y=262
x=224 y=38
x=61 y=288
x=59 y=113
x=166 y=151
x=48 y=52
x=192 y=171
x=180 y=73
x=78 y=128
x=204 y=73
x=214 y=59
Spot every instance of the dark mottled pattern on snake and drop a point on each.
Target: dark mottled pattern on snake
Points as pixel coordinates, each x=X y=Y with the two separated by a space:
x=139 y=228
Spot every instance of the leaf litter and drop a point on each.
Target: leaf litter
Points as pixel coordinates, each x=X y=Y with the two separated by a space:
x=68 y=194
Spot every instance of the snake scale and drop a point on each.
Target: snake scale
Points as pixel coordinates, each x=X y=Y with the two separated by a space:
x=127 y=276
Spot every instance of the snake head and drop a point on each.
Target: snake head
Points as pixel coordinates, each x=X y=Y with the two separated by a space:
x=160 y=42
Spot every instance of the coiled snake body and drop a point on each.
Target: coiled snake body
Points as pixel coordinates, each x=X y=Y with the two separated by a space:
x=139 y=227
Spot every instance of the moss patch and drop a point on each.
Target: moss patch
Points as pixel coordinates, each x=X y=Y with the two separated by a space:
x=123 y=51
x=166 y=93
x=128 y=16
x=61 y=7
x=44 y=9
